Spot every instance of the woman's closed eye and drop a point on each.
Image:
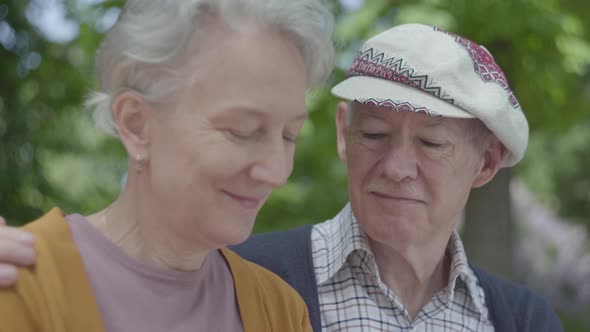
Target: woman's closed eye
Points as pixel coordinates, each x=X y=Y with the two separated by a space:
x=243 y=135
x=373 y=135
x=292 y=139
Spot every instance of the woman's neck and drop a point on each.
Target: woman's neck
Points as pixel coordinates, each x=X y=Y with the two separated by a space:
x=140 y=232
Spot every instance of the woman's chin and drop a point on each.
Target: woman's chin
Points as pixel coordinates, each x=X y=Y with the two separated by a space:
x=236 y=234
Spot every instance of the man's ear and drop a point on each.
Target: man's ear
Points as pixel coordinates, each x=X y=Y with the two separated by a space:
x=342 y=122
x=130 y=114
x=492 y=160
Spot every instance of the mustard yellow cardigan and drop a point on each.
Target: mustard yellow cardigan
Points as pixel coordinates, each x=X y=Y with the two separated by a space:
x=55 y=295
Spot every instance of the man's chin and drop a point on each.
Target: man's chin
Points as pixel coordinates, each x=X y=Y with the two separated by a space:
x=390 y=228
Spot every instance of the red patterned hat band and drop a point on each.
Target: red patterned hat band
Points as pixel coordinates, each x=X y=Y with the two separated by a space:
x=484 y=64
x=376 y=63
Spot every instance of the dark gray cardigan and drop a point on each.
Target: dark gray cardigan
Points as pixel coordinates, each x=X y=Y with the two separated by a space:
x=288 y=254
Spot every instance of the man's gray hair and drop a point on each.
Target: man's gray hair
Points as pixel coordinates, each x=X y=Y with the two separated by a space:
x=149 y=44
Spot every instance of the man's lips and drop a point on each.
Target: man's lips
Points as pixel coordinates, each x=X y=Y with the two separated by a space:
x=246 y=201
x=397 y=197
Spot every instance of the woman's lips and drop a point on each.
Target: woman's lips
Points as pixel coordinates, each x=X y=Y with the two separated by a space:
x=245 y=201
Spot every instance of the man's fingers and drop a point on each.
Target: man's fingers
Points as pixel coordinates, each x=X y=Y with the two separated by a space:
x=8 y=275
x=16 y=248
x=16 y=253
x=14 y=234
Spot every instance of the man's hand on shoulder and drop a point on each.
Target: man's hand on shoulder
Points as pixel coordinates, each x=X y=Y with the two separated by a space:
x=16 y=249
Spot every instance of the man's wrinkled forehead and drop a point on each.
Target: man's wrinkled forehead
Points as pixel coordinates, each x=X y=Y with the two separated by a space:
x=391 y=115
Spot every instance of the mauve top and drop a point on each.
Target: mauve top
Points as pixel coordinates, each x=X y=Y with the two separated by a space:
x=132 y=296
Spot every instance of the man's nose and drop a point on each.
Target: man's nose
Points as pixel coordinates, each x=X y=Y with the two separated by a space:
x=400 y=161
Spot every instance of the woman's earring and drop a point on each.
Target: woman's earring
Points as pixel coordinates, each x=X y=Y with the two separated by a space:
x=139 y=163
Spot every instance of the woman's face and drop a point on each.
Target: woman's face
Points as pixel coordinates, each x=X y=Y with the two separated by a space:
x=216 y=153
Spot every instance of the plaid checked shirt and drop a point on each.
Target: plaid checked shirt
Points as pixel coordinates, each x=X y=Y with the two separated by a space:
x=353 y=298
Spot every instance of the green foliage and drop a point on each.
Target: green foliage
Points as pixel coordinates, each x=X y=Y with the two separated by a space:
x=50 y=154
x=573 y=324
x=42 y=125
x=556 y=170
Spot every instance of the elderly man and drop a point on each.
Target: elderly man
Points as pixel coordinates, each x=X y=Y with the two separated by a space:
x=429 y=116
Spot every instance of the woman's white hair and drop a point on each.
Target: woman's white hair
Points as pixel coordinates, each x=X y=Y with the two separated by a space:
x=147 y=47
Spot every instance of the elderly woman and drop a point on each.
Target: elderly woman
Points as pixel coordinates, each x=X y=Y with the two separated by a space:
x=208 y=98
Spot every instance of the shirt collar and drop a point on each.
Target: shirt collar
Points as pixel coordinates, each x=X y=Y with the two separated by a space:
x=338 y=238
x=341 y=236
x=460 y=271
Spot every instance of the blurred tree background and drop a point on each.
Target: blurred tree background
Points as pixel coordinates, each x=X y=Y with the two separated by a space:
x=50 y=153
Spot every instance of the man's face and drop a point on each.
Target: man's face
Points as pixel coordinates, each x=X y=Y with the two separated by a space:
x=409 y=174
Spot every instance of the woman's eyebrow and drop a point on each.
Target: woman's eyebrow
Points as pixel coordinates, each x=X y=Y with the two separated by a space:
x=301 y=116
x=238 y=112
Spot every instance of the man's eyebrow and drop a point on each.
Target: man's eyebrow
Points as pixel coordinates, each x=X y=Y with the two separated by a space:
x=434 y=123
x=374 y=113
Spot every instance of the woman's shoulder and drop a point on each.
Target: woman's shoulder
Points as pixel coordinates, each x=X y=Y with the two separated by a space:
x=264 y=291
x=245 y=269
x=55 y=291
x=50 y=224
x=54 y=244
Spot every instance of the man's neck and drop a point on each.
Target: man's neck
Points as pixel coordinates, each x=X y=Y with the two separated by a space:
x=414 y=275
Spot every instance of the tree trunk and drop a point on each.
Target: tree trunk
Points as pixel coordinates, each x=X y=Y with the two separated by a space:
x=488 y=229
